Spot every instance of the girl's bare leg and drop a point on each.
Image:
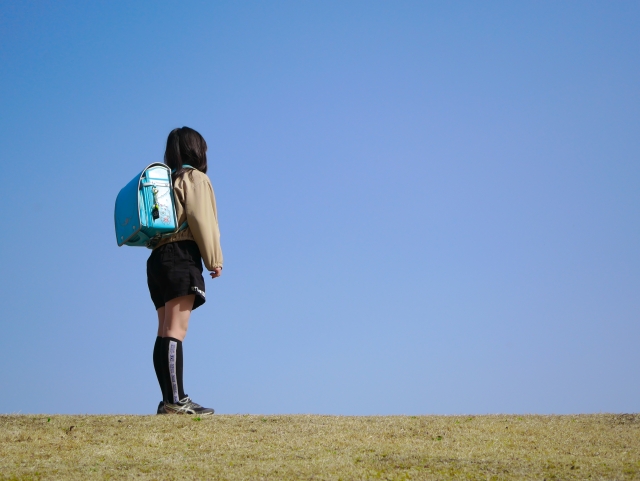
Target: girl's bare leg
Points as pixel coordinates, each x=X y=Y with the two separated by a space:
x=176 y=317
x=161 y=322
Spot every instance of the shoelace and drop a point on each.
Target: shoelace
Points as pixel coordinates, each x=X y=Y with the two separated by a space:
x=188 y=400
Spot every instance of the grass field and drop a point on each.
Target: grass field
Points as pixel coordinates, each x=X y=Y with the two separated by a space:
x=601 y=446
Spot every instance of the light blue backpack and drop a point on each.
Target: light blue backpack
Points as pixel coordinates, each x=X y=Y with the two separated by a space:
x=145 y=208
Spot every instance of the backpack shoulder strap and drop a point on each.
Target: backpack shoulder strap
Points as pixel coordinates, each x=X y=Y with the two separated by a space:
x=184 y=166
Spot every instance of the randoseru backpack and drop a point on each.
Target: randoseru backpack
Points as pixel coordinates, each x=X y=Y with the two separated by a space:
x=145 y=208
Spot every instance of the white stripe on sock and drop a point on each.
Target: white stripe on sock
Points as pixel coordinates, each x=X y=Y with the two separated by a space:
x=173 y=345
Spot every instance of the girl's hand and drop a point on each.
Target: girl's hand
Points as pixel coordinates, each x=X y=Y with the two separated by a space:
x=217 y=272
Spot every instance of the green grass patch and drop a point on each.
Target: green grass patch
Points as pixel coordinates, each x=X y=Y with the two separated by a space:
x=602 y=446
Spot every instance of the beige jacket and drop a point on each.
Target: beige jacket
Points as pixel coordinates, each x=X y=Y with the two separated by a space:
x=196 y=203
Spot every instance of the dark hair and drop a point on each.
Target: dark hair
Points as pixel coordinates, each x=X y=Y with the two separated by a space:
x=185 y=146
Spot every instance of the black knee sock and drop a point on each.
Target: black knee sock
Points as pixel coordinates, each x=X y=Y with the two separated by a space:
x=172 y=353
x=157 y=364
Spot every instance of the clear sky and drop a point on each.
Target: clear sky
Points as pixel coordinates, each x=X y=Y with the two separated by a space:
x=425 y=207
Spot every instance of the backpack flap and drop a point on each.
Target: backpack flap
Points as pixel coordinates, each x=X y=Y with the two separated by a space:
x=155 y=202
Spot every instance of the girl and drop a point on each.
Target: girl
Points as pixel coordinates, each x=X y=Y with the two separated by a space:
x=174 y=268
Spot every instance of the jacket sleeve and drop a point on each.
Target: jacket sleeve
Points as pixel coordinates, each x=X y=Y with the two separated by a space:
x=202 y=217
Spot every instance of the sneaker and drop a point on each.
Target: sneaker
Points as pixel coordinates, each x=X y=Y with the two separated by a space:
x=187 y=406
x=161 y=409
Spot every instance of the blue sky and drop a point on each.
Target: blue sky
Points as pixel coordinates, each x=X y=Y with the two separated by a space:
x=425 y=207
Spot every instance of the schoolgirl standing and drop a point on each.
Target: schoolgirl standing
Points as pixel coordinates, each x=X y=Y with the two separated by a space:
x=174 y=268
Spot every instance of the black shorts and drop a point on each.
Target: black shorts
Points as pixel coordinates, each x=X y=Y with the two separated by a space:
x=175 y=270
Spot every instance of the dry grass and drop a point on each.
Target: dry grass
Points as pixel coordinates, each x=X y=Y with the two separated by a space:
x=603 y=446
